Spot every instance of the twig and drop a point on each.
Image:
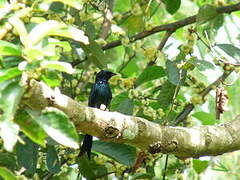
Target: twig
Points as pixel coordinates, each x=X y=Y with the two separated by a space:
x=189 y=107
x=171 y=26
x=108 y=16
x=161 y=45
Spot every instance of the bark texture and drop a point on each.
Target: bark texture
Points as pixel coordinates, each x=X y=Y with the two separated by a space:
x=116 y=127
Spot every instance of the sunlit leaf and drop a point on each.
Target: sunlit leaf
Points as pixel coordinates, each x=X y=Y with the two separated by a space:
x=57 y=125
x=7 y=174
x=57 y=65
x=9 y=49
x=10 y=97
x=200 y=166
x=30 y=128
x=9 y=133
x=10 y=73
x=51 y=78
x=43 y=29
x=20 y=28
x=71 y=32
x=205 y=118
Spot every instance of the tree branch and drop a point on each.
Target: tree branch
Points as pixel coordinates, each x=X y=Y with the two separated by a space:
x=171 y=26
x=108 y=16
x=144 y=134
x=189 y=107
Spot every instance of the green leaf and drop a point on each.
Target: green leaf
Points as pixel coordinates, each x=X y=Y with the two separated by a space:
x=9 y=49
x=230 y=50
x=206 y=13
x=221 y=167
x=64 y=44
x=95 y=54
x=117 y=100
x=172 y=5
x=34 y=53
x=202 y=65
x=57 y=125
x=27 y=155
x=142 y=176
x=77 y=4
x=72 y=33
x=149 y=74
x=8 y=160
x=134 y=24
x=200 y=166
x=173 y=73
x=53 y=163
x=165 y=97
x=126 y=107
x=58 y=65
x=30 y=128
x=7 y=174
x=20 y=28
x=9 y=133
x=10 y=73
x=85 y=167
x=13 y=93
x=41 y=30
x=205 y=118
x=10 y=97
x=122 y=153
x=51 y=78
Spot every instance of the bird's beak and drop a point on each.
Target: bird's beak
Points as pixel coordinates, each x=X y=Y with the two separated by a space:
x=111 y=74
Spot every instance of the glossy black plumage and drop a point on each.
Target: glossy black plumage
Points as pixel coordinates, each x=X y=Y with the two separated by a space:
x=100 y=94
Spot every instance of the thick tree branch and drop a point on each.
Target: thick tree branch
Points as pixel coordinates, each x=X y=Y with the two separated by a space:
x=116 y=127
x=171 y=26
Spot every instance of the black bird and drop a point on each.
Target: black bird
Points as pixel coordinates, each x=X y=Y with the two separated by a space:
x=100 y=97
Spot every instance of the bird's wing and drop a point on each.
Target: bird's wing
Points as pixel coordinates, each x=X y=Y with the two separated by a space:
x=92 y=97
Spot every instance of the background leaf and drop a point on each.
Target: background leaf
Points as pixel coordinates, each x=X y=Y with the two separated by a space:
x=200 y=166
x=172 y=5
x=173 y=73
x=53 y=163
x=230 y=50
x=126 y=107
x=206 y=13
x=27 y=155
x=123 y=153
x=149 y=74
x=166 y=94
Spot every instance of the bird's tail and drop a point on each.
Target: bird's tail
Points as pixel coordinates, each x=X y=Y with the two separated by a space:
x=86 y=146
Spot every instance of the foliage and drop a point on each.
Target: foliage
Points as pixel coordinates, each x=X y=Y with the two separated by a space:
x=64 y=43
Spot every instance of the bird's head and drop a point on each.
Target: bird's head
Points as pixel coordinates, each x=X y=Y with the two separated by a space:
x=104 y=75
